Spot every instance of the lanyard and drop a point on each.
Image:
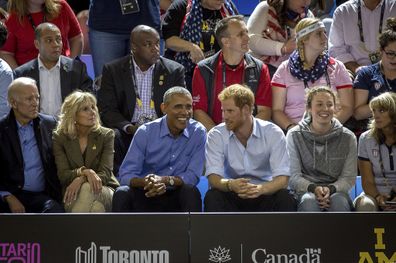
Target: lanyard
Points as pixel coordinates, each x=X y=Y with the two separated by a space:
x=360 y=24
x=306 y=87
x=138 y=98
x=386 y=82
x=212 y=42
x=224 y=74
x=32 y=22
x=382 y=163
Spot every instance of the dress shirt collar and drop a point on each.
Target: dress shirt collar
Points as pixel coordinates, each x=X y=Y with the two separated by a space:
x=42 y=66
x=165 y=129
x=20 y=126
x=255 y=131
x=137 y=68
x=378 y=5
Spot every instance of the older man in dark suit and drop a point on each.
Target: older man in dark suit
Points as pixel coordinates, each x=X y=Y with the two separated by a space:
x=28 y=181
x=56 y=75
x=133 y=87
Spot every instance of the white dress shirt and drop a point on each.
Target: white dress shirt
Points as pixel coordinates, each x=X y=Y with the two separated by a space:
x=50 y=89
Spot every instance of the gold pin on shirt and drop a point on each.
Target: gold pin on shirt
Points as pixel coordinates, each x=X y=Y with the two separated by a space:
x=139 y=102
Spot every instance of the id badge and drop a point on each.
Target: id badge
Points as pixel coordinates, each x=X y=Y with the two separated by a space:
x=129 y=7
x=374 y=57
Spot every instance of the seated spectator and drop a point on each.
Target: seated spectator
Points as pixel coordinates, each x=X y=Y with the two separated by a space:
x=25 y=16
x=271 y=28
x=6 y=76
x=188 y=29
x=309 y=66
x=377 y=159
x=57 y=76
x=322 y=8
x=246 y=159
x=110 y=23
x=84 y=152
x=229 y=66
x=322 y=156
x=354 y=31
x=133 y=87
x=164 y=162
x=28 y=181
x=378 y=78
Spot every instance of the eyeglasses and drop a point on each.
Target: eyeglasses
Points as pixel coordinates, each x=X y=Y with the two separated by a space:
x=390 y=54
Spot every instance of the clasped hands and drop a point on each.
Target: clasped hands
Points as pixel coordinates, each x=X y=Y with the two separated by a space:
x=322 y=194
x=244 y=188
x=154 y=185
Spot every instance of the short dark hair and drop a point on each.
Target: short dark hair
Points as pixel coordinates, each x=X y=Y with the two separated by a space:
x=39 y=29
x=389 y=35
x=177 y=90
x=3 y=33
x=221 y=29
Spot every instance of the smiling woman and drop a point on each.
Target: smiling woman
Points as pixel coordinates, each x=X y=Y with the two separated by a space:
x=322 y=156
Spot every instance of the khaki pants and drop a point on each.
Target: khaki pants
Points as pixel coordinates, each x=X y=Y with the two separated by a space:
x=88 y=202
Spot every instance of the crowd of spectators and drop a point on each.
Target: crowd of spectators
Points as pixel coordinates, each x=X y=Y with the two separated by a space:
x=280 y=110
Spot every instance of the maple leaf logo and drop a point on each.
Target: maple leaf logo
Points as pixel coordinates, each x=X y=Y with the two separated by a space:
x=219 y=255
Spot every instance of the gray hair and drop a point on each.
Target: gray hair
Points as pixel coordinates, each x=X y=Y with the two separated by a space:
x=175 y=90
x=17 y=84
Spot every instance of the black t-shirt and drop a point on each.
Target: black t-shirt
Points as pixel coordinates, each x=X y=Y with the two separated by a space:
x=173 y=21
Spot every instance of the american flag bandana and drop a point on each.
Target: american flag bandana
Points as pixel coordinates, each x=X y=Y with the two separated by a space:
x=192 y=24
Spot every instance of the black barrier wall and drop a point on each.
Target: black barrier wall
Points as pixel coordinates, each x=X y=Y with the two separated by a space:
x=107 y=238
x=198 y=238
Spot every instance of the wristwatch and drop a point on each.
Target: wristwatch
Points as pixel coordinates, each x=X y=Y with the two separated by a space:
x=171 y=181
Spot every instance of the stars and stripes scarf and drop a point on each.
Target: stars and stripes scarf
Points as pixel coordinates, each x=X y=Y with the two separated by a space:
x=192 y=24
x=297 y=69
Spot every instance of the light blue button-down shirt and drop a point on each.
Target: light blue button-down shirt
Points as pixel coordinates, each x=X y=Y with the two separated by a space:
x=264 y=157
x=155 y=150
x=33 y=167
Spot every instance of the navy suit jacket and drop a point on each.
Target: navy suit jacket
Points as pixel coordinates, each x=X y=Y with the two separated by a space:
x=117 y=97
x=12 y=177
x=73 y=75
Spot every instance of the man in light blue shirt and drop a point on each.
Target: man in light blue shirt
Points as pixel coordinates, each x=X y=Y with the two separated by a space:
x=247 y=163
x=164 y=161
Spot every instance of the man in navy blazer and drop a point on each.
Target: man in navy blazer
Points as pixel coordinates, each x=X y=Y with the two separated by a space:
x=56 y=75
x=133 y=86
x=28 y=178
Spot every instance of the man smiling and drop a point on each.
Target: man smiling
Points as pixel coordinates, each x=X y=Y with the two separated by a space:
x=247 y=163
x=164 y=161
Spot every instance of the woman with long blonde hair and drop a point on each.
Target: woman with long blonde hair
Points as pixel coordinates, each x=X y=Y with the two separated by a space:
x=84 y=152
x=377 y=157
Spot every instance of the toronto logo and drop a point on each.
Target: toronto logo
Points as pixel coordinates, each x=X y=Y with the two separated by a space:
x=219 y=255
x=105 y=254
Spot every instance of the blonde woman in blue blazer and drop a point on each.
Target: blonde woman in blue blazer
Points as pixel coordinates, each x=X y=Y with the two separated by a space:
x=84 y=153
